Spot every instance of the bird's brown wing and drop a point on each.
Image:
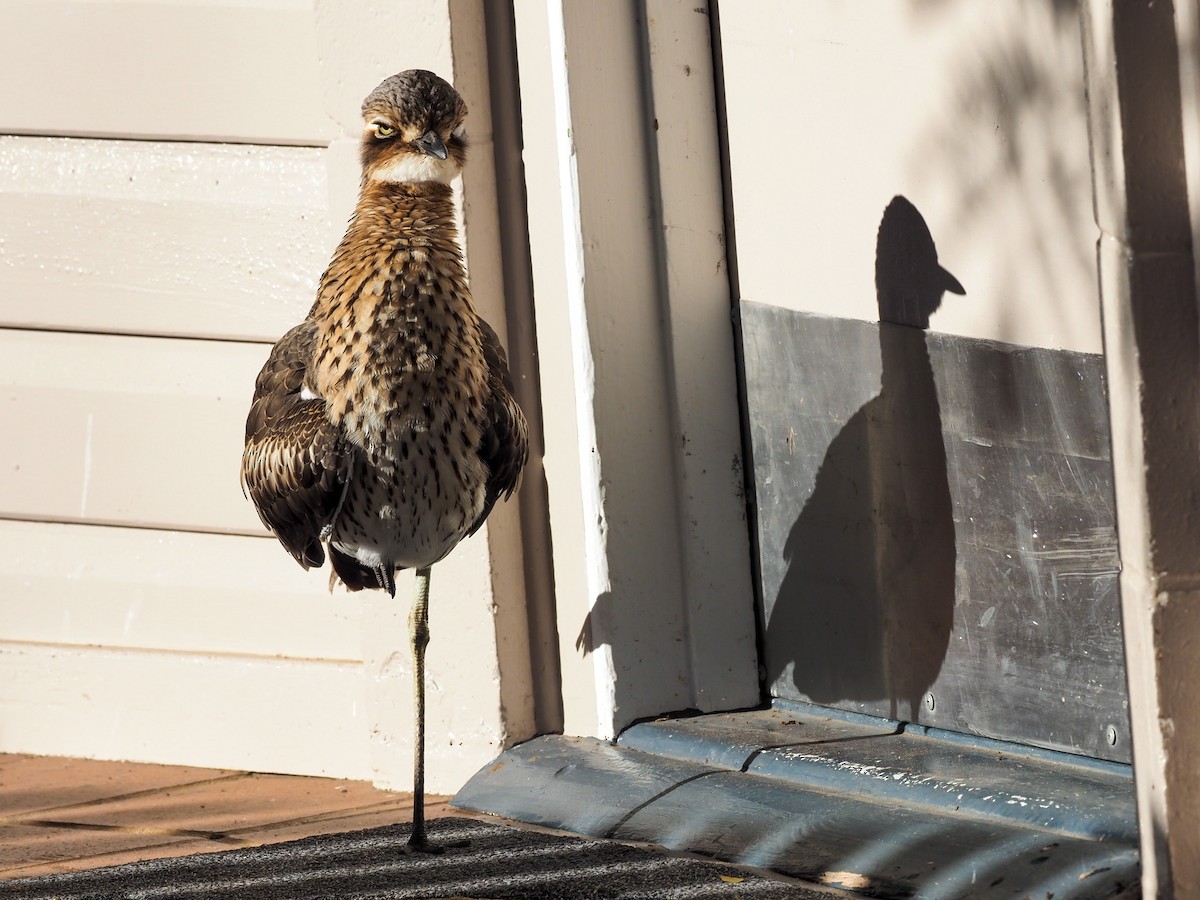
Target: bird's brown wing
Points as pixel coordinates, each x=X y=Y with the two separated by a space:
x=295 y=465
x=504 y=446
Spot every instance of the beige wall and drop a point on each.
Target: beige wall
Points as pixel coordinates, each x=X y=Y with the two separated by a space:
x=973 y=111
x=175 y=177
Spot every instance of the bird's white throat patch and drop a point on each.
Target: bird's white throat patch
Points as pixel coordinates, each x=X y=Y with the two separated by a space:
x=413 y=167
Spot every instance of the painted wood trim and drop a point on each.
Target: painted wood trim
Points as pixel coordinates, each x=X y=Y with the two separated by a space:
x=710 y=477
x=1148 y=289
x=548 y=197
x=621 y=486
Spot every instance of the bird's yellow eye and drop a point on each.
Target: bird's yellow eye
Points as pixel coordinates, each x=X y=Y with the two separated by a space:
x=383 y=130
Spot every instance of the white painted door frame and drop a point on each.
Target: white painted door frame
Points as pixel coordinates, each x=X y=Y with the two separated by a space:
x=1143 y=91
x=643 y=453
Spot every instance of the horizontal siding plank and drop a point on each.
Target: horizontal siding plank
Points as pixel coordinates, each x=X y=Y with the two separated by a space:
x=137 y=588
x=247 y=71
x=147 y=238
x=125 y=430
x=302 y=718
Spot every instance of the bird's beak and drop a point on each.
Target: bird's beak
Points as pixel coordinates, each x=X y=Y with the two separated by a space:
x=432 y=144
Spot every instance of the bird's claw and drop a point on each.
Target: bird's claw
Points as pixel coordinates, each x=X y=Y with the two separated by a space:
x=422 y=844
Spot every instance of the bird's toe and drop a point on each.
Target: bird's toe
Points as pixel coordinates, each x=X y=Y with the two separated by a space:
x=422 y=844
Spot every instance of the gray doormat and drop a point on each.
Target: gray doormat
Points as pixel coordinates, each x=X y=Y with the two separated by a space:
x=481 y=859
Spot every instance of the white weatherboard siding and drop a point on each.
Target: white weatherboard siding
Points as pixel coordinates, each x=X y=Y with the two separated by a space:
x=146 y=237
x=121 y=588
x=173 y=178
x=198 y=709
x=144 y=432
x=246 y=71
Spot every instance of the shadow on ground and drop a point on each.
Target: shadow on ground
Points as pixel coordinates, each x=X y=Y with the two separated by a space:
x=482 y=859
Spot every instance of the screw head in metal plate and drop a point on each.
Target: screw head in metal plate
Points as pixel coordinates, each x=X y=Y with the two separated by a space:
x=930 y=702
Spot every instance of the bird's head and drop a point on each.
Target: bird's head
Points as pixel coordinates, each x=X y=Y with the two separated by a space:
x=413 y=129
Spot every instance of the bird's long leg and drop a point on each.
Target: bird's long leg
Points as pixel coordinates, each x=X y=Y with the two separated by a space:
x=418 y=633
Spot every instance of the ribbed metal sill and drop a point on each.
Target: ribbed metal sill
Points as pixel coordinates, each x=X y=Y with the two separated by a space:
x=835 y=798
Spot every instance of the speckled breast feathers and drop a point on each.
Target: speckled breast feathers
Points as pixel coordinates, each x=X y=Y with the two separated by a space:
x=384 y=425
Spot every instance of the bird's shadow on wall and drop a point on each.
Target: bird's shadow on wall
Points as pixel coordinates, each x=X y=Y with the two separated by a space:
x=866 y=606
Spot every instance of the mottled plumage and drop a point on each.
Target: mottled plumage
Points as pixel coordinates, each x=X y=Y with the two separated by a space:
x=383 y=427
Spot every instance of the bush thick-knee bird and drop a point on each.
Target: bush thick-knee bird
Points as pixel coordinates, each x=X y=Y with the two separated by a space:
x=383 y=427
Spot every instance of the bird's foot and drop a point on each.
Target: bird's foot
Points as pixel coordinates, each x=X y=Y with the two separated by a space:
x=419 y=843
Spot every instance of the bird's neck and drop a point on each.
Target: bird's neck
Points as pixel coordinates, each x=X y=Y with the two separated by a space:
x=397 y=274
x=396 y=229
x=429 y=196
x=406 y=214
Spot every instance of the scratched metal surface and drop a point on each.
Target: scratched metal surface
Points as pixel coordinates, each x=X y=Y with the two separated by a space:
x=832 y=751
x=936 y=530
x=883 y=815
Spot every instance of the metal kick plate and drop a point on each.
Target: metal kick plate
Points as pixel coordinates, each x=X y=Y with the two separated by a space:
x=936 y=533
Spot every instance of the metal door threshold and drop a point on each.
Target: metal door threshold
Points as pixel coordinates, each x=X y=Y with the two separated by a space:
x=836 y=798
